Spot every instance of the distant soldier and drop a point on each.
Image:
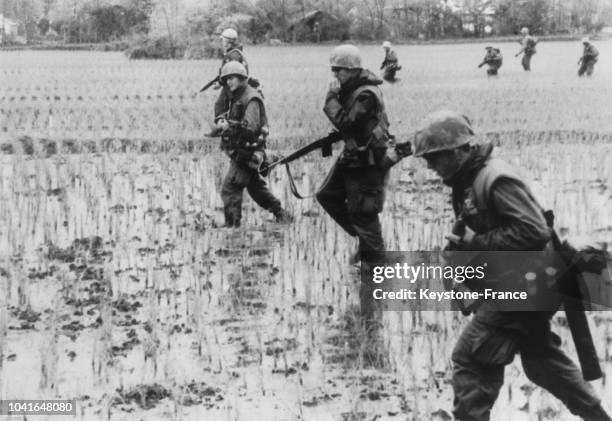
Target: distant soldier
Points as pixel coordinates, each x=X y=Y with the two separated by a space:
x=493 y=58
x=390 y=64
x=232 y=51
x=354 y=191
x=588 y=59
x=498 y=213
x=528 y=44
x=244 y=127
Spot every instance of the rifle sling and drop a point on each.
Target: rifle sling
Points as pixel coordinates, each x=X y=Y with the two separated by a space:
x=293 y=187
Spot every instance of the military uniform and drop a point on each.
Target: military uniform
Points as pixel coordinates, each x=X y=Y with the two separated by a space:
x=353 y=192
x=528 y=44
x=244 y=143
x=497 y=205
x=493 y=59
x=233 y=53
x=588 y=60
x=390 y=65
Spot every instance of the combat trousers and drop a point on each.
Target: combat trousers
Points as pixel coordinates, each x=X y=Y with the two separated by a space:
x=236 y=179
x=389 y=74
x=526 y=61
x=492 y=71
x=586 y=67
x=483 y=350
x=354 y=197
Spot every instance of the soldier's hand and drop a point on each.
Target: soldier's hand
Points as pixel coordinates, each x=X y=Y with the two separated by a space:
x=467 y=237
x=222 y=124
x=334 y=86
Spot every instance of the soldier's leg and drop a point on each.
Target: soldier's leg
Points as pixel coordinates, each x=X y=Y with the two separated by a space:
x=332 y=197
x=364 y=201
x=371 y=248
x=261 y=194
x=234 y=182
x=547 y=366
x=590 y=68
x=479 y=357
x=526 y=61
x=365 y=197
x=582 y=68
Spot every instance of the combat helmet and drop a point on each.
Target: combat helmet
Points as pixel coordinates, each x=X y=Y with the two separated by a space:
x=386 y=44
x=233 y=68
x=524 y=30
x=442 y=131
x=229 y=34
x=346 y=56
x=586 y=40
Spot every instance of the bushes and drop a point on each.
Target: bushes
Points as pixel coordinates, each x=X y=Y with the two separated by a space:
x=163 y=47
x=202 y=47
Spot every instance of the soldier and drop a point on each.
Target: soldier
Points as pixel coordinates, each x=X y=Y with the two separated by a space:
x=353 y=192
x=232 y=51
x=389 y=65
x=500 y=214
x=528 y=44
x=493 y=58
x=244 y=127
x=588 y=59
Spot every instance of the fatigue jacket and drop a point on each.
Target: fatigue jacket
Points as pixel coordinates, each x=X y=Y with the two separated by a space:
x=248 y=121
x=590 y=53
x=358 y=112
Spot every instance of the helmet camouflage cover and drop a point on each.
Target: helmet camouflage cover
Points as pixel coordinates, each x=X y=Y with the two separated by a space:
x=347 y=56
x=233 y=68
x=229 y=34
x=442 y=131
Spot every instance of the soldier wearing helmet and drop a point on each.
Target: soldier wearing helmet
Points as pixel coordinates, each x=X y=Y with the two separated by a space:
x=493 y=59
x=390 y=64
x=588 y=59
x=244 y=127
x=353 y=192
x=528 y=44
x=497 y=212
x=232 y=51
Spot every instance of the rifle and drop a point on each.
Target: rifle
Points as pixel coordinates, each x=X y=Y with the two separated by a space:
x=574 y=310
x=209 y=84
x=324 y=143
x=482 y=64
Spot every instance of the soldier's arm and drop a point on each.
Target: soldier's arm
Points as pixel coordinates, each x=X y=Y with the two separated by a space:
x=252 y=117
x=523 y=227
x=349 y=120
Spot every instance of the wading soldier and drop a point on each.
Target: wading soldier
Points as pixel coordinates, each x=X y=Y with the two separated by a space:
x=499 y=214
x=493 y=58
x=232 y=51
x=390 y=64
x=528 y=44
x=244 y=128
x=353 y=192
x=588 y=59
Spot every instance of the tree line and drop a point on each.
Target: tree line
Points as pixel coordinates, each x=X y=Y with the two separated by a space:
x=92 y=21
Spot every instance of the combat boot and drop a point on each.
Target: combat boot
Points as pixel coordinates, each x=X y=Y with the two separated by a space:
x=231 y=221
x=595 y=413
x=283 y=217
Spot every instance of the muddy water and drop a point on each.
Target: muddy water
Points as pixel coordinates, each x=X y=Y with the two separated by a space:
x=120 y=290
